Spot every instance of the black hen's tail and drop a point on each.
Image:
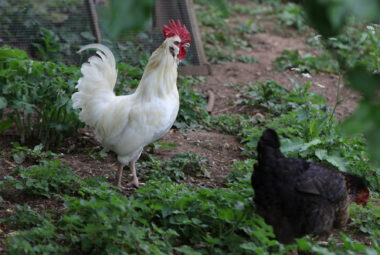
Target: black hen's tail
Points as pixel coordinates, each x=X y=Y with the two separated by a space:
x=269 y=146
x=268 y=150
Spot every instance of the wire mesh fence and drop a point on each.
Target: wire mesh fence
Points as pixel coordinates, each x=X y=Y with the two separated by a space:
x=54 y=30
x=47 y=30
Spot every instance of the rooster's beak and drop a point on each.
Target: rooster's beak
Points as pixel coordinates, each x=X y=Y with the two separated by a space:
x=187 y=45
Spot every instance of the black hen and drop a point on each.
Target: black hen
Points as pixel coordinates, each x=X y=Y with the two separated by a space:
x=298 y=197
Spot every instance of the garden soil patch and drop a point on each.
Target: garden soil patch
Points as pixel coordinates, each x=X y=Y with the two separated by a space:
x=221 y=150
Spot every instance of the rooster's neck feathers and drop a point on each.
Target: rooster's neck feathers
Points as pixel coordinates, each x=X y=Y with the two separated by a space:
x=160 y=74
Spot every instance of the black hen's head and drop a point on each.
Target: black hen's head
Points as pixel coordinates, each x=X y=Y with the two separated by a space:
x=357 y=189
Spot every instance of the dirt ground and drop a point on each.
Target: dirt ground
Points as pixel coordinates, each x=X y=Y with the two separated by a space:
x=221 y=150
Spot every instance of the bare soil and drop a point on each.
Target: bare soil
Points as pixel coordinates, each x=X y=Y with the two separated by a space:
x=221 y=150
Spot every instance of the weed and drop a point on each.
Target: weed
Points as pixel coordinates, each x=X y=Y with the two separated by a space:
x=48 y=45
x=38 y=96
x=292 y=15
x=25 y=218
x=176 y=169
x=223 y=38
x=20 y=153
x=209 y=218
x=367 y=219
x=188 y=164
x=343 y=245
x=49 y=178
x=99 y=224
x=306 y=63
x=37 y=240
x=192 y=104
x=249 y=28
x=307 y=125
x=246 y=59
x=216 y=55
x=97 y=154
x=243 y=9
x=241 y=172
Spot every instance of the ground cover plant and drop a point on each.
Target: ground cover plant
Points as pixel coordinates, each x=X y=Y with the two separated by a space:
x=55 y=191
x=32 y=90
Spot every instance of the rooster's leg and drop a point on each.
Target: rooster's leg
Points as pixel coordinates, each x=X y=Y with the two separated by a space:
x=135 y=181
x=119 y=175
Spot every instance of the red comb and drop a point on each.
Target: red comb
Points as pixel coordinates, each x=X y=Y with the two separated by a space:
x=176 y=29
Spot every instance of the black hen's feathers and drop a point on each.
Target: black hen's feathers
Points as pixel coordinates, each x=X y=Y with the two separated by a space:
x=269 y=139
x=295 y=196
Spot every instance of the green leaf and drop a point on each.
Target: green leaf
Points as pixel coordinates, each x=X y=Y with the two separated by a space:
x=164 y=145
x=3 y=102
x=328 y=17
x=6 y=124
x=187 y=250
x=365 y=82
x=303 y=244
x=298 y=145
x=123 y=17
x=361 y=120
x=7 y=53
x=367 y=10
x=38 y=148
x=249 y=246
x=239 y=206
x=334 y=160
x=19 y=157
x=19 y=186
x=374 y=143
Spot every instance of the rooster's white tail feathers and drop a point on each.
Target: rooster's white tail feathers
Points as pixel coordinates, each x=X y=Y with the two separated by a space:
x=95 y=88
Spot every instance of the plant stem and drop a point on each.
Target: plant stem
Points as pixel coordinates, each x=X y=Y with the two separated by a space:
x=20 y=126
x=338 y=101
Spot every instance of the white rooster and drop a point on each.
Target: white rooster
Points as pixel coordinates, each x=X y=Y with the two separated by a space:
x=125 y=124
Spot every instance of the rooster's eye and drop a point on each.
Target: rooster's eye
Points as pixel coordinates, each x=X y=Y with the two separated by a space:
x=176 y=43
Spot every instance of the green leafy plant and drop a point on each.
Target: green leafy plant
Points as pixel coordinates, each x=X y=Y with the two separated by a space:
x=192 y=104
x=187 y=164
x=222 y=38
x=38 y=240
x=246 y=59
x=100 y=224
x=121 y=18
x=49 y=178
x=341 y=246
x=38 y=97
x=306 y=63
x=322 y=15
x=213 y=218
x=25 y=218
x=97 y=154
x=20 y=153
x=216 y=55
x=176 y=169
x=292 y=15
x=367 y=219
x=48 y=45
x=249 y=28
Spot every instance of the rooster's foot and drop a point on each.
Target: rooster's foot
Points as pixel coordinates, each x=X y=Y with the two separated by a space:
x=135 y=184
x=117 y=184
